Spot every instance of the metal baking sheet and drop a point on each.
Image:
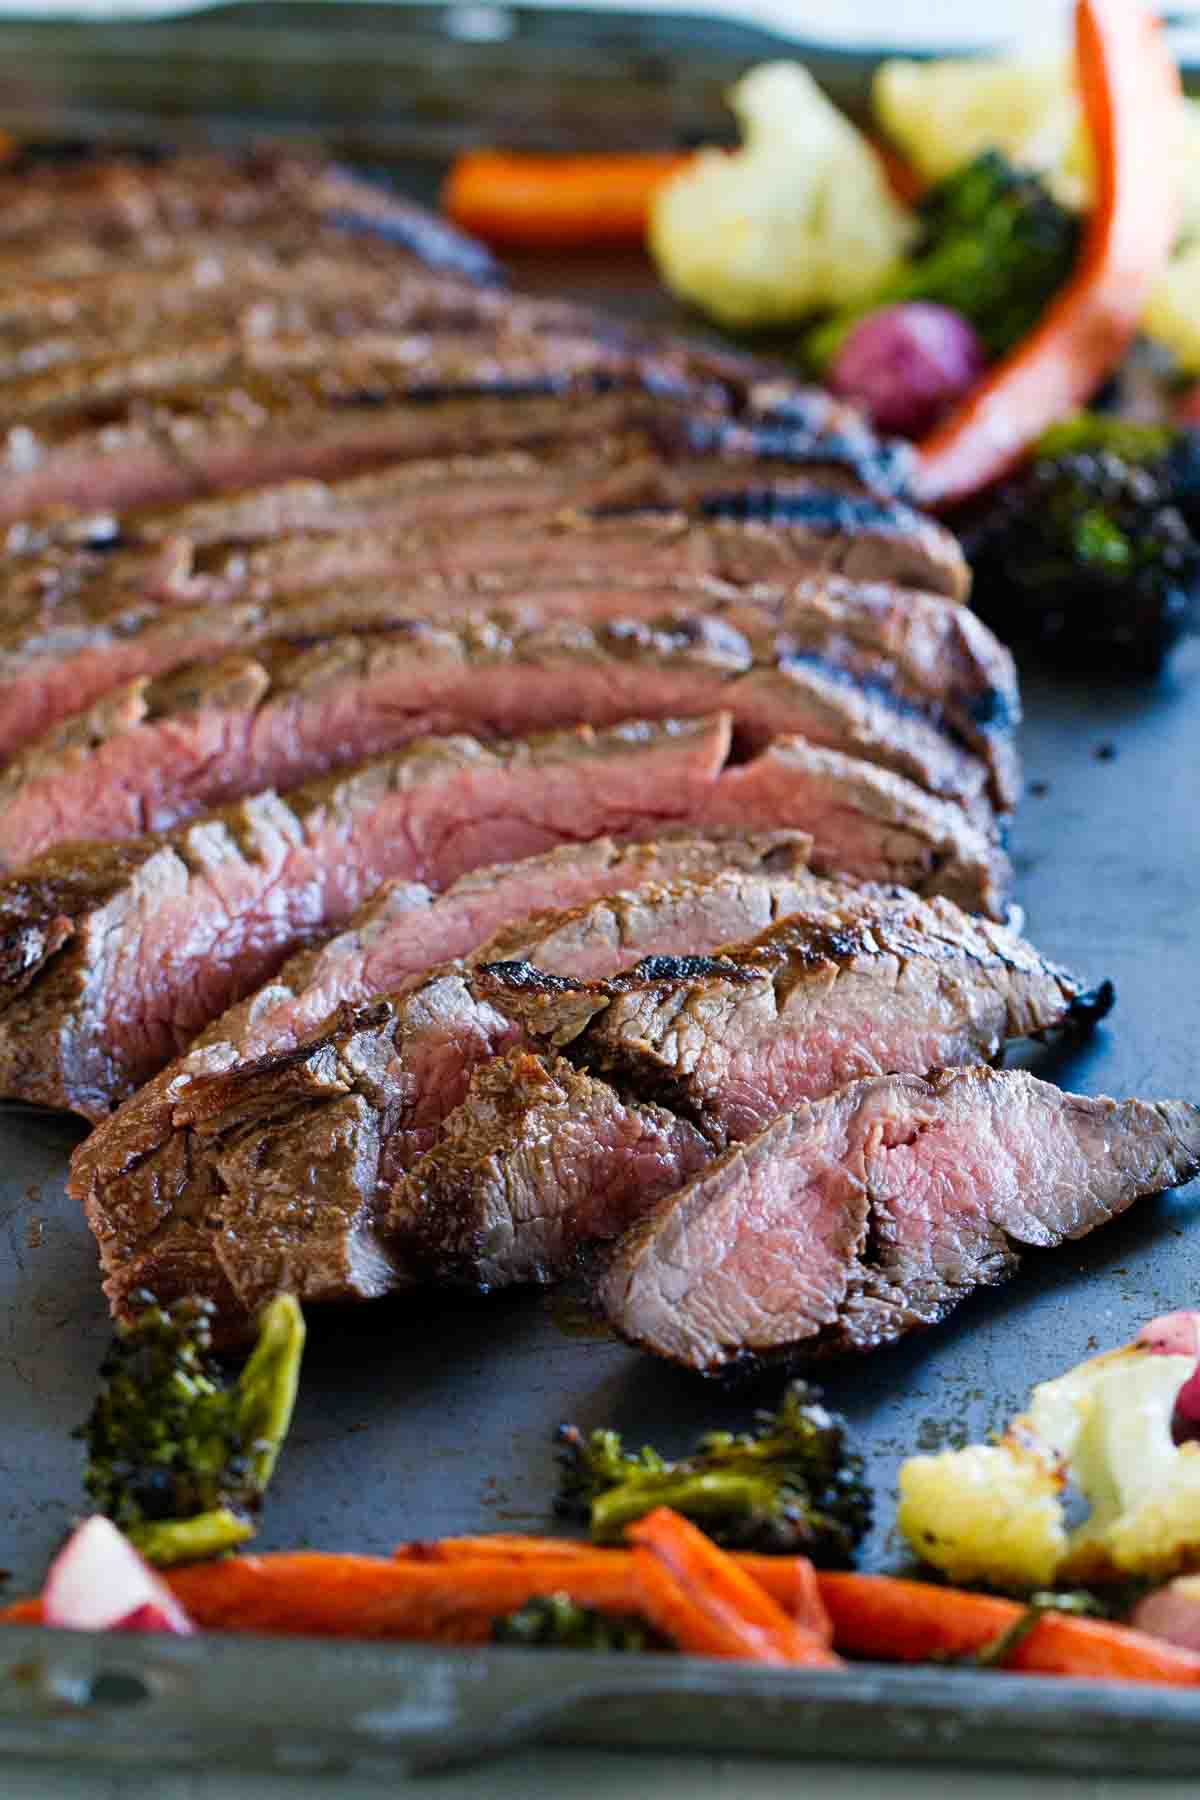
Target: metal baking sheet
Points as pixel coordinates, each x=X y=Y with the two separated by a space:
x=434 y=1414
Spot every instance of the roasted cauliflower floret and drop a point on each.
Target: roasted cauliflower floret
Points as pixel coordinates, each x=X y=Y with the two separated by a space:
x=800 y=218
x=996 y=1513
x=991 y=1512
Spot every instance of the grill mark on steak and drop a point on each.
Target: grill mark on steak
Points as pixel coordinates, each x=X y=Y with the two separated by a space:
x=815 y=1000
x=151 y=754
x=412 y=1058
x=765 y=1253
x=167 y=931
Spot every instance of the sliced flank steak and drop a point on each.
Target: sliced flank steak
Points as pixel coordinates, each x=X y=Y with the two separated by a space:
x=151 y=754
x=855 y=1219
x=113 y=957
x=690 y=890
x=397 y=1076
x=74 y=626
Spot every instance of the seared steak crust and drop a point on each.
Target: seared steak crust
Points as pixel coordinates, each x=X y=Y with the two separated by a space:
x=117 y=955
x=855 y=1219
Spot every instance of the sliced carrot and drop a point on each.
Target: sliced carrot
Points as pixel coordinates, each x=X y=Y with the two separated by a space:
x=885 y=1619
x=517 y=201
x=791 y=1581
x=324 y=1594
x=695 y=1594
x=1131 y=99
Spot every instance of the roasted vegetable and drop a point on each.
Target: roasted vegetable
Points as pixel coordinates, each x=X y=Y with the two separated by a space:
x=1093 y=551
x=943 y=112
x=906 y=365
x=178 y=1457
x=994 y=248
x=556 y=1621
x=995 y=1512
x=790 y=1486
x=799 y=219
x=1131 y=96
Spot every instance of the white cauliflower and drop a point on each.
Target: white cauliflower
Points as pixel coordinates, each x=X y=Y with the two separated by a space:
x=995 y=1513
x=799 y=219
x=942 y=114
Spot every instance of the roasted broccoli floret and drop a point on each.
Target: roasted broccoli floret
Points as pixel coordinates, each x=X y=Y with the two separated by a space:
x=555 y=1620
x=789 y=1486
x=1093 y=551
x=177 y=1456
x=995 y=246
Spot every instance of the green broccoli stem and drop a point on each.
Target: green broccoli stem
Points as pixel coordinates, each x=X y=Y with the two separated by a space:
x=267 y=1386
x=165 y=1542
x=706 y=1495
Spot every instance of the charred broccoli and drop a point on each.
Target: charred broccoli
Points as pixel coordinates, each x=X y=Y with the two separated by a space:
x=554 y=1620
x=790 y=1486
x=178 y=1457
x=995 y=246
x=1093 y=551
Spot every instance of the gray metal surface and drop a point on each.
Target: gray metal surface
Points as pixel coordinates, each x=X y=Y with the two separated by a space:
x=435 y=1414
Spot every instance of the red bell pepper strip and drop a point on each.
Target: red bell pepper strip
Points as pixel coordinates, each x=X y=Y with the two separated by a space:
x=1131 y=102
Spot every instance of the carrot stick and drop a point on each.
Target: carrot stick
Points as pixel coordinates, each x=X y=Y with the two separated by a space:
x=697 y=1596
x=329 y=1595
x=1131 y=101
x=885 y=1619
x=556 y=202
x=791 y=1581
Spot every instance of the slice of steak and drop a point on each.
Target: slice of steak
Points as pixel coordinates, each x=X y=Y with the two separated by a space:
x=865 y=822
x=144 y=1176
x=112 y=957
x=415 y=1051
x=534 y=1126
x=252 y=293
x=151 y=754
x=858 y=1218
x=815 y=1000
x=75 y=625
x=718 y=1045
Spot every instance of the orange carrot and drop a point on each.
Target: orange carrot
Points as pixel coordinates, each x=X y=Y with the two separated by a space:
x=791 y=1581
x=325 y=1594
x=556 y=202
x=698 y=1597
x=885 y=1619
x=1131 y=101
x=22 y=1612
